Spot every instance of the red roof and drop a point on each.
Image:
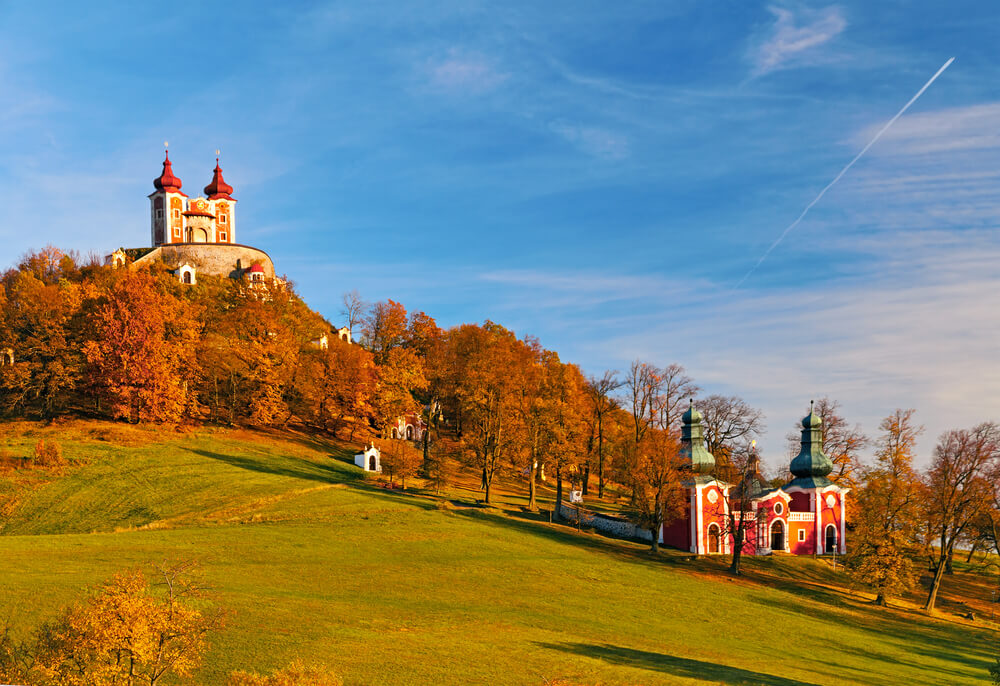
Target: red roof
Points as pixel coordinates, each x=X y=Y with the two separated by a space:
x=218 y=188
x=167 y=181
x=198 y=213
x=256 y=268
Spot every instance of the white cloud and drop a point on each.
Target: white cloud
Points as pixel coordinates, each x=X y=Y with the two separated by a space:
x=794 y=36
x=593 y=140
x=462 y=72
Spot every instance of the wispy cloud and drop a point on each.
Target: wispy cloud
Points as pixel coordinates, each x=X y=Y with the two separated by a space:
x=593 y=140
x=971 y=128
x=794 y=36
x=463 y=72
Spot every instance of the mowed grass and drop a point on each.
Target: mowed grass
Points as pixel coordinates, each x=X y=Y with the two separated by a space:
x=387 y=587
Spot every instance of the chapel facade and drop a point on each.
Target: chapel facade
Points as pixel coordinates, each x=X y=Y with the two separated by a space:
x=806 y=516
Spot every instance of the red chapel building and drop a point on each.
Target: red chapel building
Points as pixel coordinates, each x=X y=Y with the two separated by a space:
x=806 y=516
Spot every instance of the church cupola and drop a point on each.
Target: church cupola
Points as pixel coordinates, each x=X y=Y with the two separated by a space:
x=167 y=181
x=693 y=442
x=218 y=188
x=812 y=464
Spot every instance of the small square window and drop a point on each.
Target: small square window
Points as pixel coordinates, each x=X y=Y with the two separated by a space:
x=177 y=213
x=802 y=535
x=224 y=237
x=159 y=214
x=223 y=219
x=177 y=232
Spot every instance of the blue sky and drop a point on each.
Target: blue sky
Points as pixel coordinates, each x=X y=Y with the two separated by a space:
x=600 y=175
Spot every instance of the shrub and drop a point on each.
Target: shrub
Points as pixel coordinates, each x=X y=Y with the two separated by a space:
x=296 y=674
x=48 y=454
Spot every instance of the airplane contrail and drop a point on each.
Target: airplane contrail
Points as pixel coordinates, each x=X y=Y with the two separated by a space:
x=842 y=172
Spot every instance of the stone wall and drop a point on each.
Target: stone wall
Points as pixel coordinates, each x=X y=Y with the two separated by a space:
x=218 y=259
x=618 y=527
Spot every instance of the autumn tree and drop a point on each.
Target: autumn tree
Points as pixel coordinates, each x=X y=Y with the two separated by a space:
x=141 y=351
x=957 y=488
x=656 y=473
x=602 y=402
x=736 y=505
x=353 y=309
x=400 y=459
x=488 y=363
x=888 y=511
x=127 y=633
x=40 y=323
x=842 y=443
x=730 y=424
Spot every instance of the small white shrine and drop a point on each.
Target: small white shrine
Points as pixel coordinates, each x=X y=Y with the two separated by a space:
x=369 y=460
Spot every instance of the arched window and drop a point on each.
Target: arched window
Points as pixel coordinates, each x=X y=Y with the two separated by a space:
x=187 y=277
x=714 y=538
x=777 y=535
x=409 y=432
x=395 y=434
x=371 y=464
x=831 y=539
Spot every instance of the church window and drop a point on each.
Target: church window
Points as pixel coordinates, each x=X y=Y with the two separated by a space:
x=159 y=214
x=177 y=232
x=223 y=237
x=831 y=538
x=223 y=219
x=802 y=535
x=778 y=508
x=177 y=213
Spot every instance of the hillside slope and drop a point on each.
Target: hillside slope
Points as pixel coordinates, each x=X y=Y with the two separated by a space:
x=397 y=588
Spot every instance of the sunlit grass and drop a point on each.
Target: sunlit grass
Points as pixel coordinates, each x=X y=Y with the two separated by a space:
x=390 y=587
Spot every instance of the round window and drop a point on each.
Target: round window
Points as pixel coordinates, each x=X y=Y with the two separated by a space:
x=713 y=497
x=831 y=500
x=778 y=508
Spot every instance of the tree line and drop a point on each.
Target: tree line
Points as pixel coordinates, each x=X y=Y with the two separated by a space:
x=138 y=346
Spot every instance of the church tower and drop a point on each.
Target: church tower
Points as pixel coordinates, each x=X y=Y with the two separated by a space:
x=166 y=207
x=223 y=206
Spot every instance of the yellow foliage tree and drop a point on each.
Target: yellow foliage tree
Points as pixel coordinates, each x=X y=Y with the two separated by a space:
x=123 y=635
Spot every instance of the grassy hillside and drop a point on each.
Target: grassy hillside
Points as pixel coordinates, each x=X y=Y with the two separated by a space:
x=403 y=588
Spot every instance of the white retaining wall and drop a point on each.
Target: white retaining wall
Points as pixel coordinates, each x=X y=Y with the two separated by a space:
x=615 y=526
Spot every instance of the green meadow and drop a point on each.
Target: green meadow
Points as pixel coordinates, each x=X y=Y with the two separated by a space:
x=313 y=560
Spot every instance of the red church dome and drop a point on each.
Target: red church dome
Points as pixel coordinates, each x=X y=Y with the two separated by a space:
x=218 y=188
x=167 y=181
x=257 y=268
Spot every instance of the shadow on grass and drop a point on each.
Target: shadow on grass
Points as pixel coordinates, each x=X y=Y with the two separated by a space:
x=536 y=524
x=298 y=468
x=674 y=666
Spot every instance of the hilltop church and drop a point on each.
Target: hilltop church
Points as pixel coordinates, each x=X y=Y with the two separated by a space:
x=805 y=516
x=193 y=236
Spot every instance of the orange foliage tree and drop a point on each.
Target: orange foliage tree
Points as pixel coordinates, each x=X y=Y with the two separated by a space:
x=142 y=354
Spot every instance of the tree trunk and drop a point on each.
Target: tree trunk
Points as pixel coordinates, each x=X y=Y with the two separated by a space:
x=533 y=472
x=972 y=551
x=880 y=600
x=738 y=536
x=948 y=569
x=600 y=456
x=558 y=490
x=586 y=478
x=936 y=582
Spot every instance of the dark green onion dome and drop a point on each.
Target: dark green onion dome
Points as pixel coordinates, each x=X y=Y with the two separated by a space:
x=811 y=466
x=693 y=442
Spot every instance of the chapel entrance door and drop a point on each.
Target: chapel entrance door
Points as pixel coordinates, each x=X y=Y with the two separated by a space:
x=777 y=535
x=831 y=538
